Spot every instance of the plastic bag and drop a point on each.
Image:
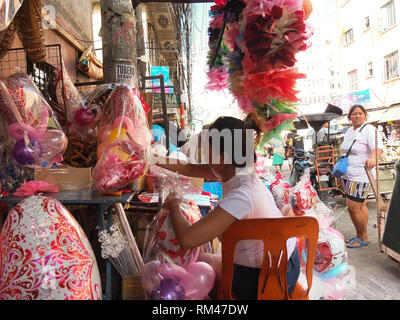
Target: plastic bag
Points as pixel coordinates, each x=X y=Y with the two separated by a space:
x=36 y=135
x=85 y=111
x=170 y=272
x=121 y=163
x=303 y=195
x=124 y=118
x=8 y=10
x=280 y=191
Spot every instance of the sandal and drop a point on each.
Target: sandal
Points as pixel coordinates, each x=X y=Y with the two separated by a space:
x=361 y=243
x=351 y=240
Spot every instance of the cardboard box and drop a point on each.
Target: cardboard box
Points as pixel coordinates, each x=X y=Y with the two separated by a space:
x=66 y=178
x=132 y=288
x=197 y=183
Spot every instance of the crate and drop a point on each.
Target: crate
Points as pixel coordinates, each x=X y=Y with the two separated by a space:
x=132 y=288
x=66 y=178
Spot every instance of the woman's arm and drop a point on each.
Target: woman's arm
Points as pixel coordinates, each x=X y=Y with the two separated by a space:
x=186 y=169
x=206 y=229
x=371 y=162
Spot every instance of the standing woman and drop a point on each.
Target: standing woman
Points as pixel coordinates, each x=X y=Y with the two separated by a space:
x=279 y=154
x=356 y=179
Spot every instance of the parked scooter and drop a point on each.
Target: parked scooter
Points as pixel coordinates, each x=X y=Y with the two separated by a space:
x=301 y=162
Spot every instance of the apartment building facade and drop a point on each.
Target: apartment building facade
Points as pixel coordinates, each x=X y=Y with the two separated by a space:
x=368 y=50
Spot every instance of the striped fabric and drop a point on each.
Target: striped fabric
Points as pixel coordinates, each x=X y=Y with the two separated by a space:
x=357 y=189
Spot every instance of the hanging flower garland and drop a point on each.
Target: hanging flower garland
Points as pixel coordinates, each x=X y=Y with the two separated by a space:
x=253 y=45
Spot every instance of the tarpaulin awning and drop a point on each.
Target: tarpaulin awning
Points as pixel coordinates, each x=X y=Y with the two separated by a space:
x=391 y=113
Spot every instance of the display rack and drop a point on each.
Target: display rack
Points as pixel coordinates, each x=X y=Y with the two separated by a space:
x=382 y=204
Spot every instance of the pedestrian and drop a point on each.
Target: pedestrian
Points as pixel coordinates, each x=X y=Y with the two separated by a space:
x=356 y=182
x=278 y=155
x=244 y=197
x=296 y=142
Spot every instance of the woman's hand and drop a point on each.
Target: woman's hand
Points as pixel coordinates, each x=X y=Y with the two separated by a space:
x=172 y=202
x=370 y=163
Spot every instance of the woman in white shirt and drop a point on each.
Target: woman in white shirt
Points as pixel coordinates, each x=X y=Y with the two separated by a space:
x=355 y=179
x=244 y=197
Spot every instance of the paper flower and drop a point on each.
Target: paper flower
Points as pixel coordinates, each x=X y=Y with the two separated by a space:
x=231 y=32
x=218 y=79
x=244 y=102
x=216 y=21
x=263 y=86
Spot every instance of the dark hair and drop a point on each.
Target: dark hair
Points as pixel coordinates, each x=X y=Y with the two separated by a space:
x=294 y=130
x=231 y=124
x=357 y=106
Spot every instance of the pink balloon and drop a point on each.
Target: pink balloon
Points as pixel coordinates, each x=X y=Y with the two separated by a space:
x=17 y=130
x=334 y=289
x=54 y=143
x=101 y=148
x=104 y=132
x=199 y=280
x=126 y=123
x=151 y=276
x=172 y=271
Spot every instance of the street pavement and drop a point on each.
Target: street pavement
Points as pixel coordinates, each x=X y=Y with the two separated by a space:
x=377 y=276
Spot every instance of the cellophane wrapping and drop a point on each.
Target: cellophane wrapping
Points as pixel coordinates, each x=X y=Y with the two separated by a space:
x=35 y=137
x=171 y=272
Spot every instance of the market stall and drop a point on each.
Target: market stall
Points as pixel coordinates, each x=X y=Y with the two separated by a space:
x=96 y=149
x=383 y=187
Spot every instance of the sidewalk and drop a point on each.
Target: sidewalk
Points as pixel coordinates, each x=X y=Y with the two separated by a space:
x=377 y=275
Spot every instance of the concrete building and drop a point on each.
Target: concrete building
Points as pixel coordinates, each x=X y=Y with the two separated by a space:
x=368 y=52
x=319 y=62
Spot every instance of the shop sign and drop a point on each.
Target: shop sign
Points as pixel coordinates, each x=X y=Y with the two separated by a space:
x=171 y=100
x=360 y=97
x=124 y=72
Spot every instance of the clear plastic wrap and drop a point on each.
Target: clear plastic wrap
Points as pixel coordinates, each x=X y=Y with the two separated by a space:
x=330 y=266
x=303 y=195
x=124 y=118
x=121 y=163
x=8 y=10
x=170 y=272
x=280 y=191
x=85 y=112
x=36 y=136
x=124 y=137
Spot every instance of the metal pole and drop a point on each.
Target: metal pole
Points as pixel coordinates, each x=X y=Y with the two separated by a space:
x=118 y=25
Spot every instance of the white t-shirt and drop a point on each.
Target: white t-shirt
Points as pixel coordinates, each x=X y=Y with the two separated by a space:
x=246 y=197
x=360 y=152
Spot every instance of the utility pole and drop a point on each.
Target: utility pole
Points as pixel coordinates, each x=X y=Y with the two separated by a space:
x=118 y=25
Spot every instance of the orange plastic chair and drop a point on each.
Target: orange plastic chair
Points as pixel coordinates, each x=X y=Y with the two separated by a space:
x=272 y=282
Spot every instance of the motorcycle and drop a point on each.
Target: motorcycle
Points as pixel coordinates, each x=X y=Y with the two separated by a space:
x=303 y=161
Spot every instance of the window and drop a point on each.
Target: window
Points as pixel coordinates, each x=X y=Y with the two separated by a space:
x=353 y=82
x=369 y=71
x=387 y=16
x=348 y=36
x=391 y=66
x=366 y=23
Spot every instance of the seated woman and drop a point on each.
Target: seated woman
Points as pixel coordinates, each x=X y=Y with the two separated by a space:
x=244 y=197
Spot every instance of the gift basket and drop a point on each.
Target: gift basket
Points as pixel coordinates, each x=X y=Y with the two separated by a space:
x=124 y=139
x=35 y=136
x=30 y=29
x=171 y=272
x=84 y=113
